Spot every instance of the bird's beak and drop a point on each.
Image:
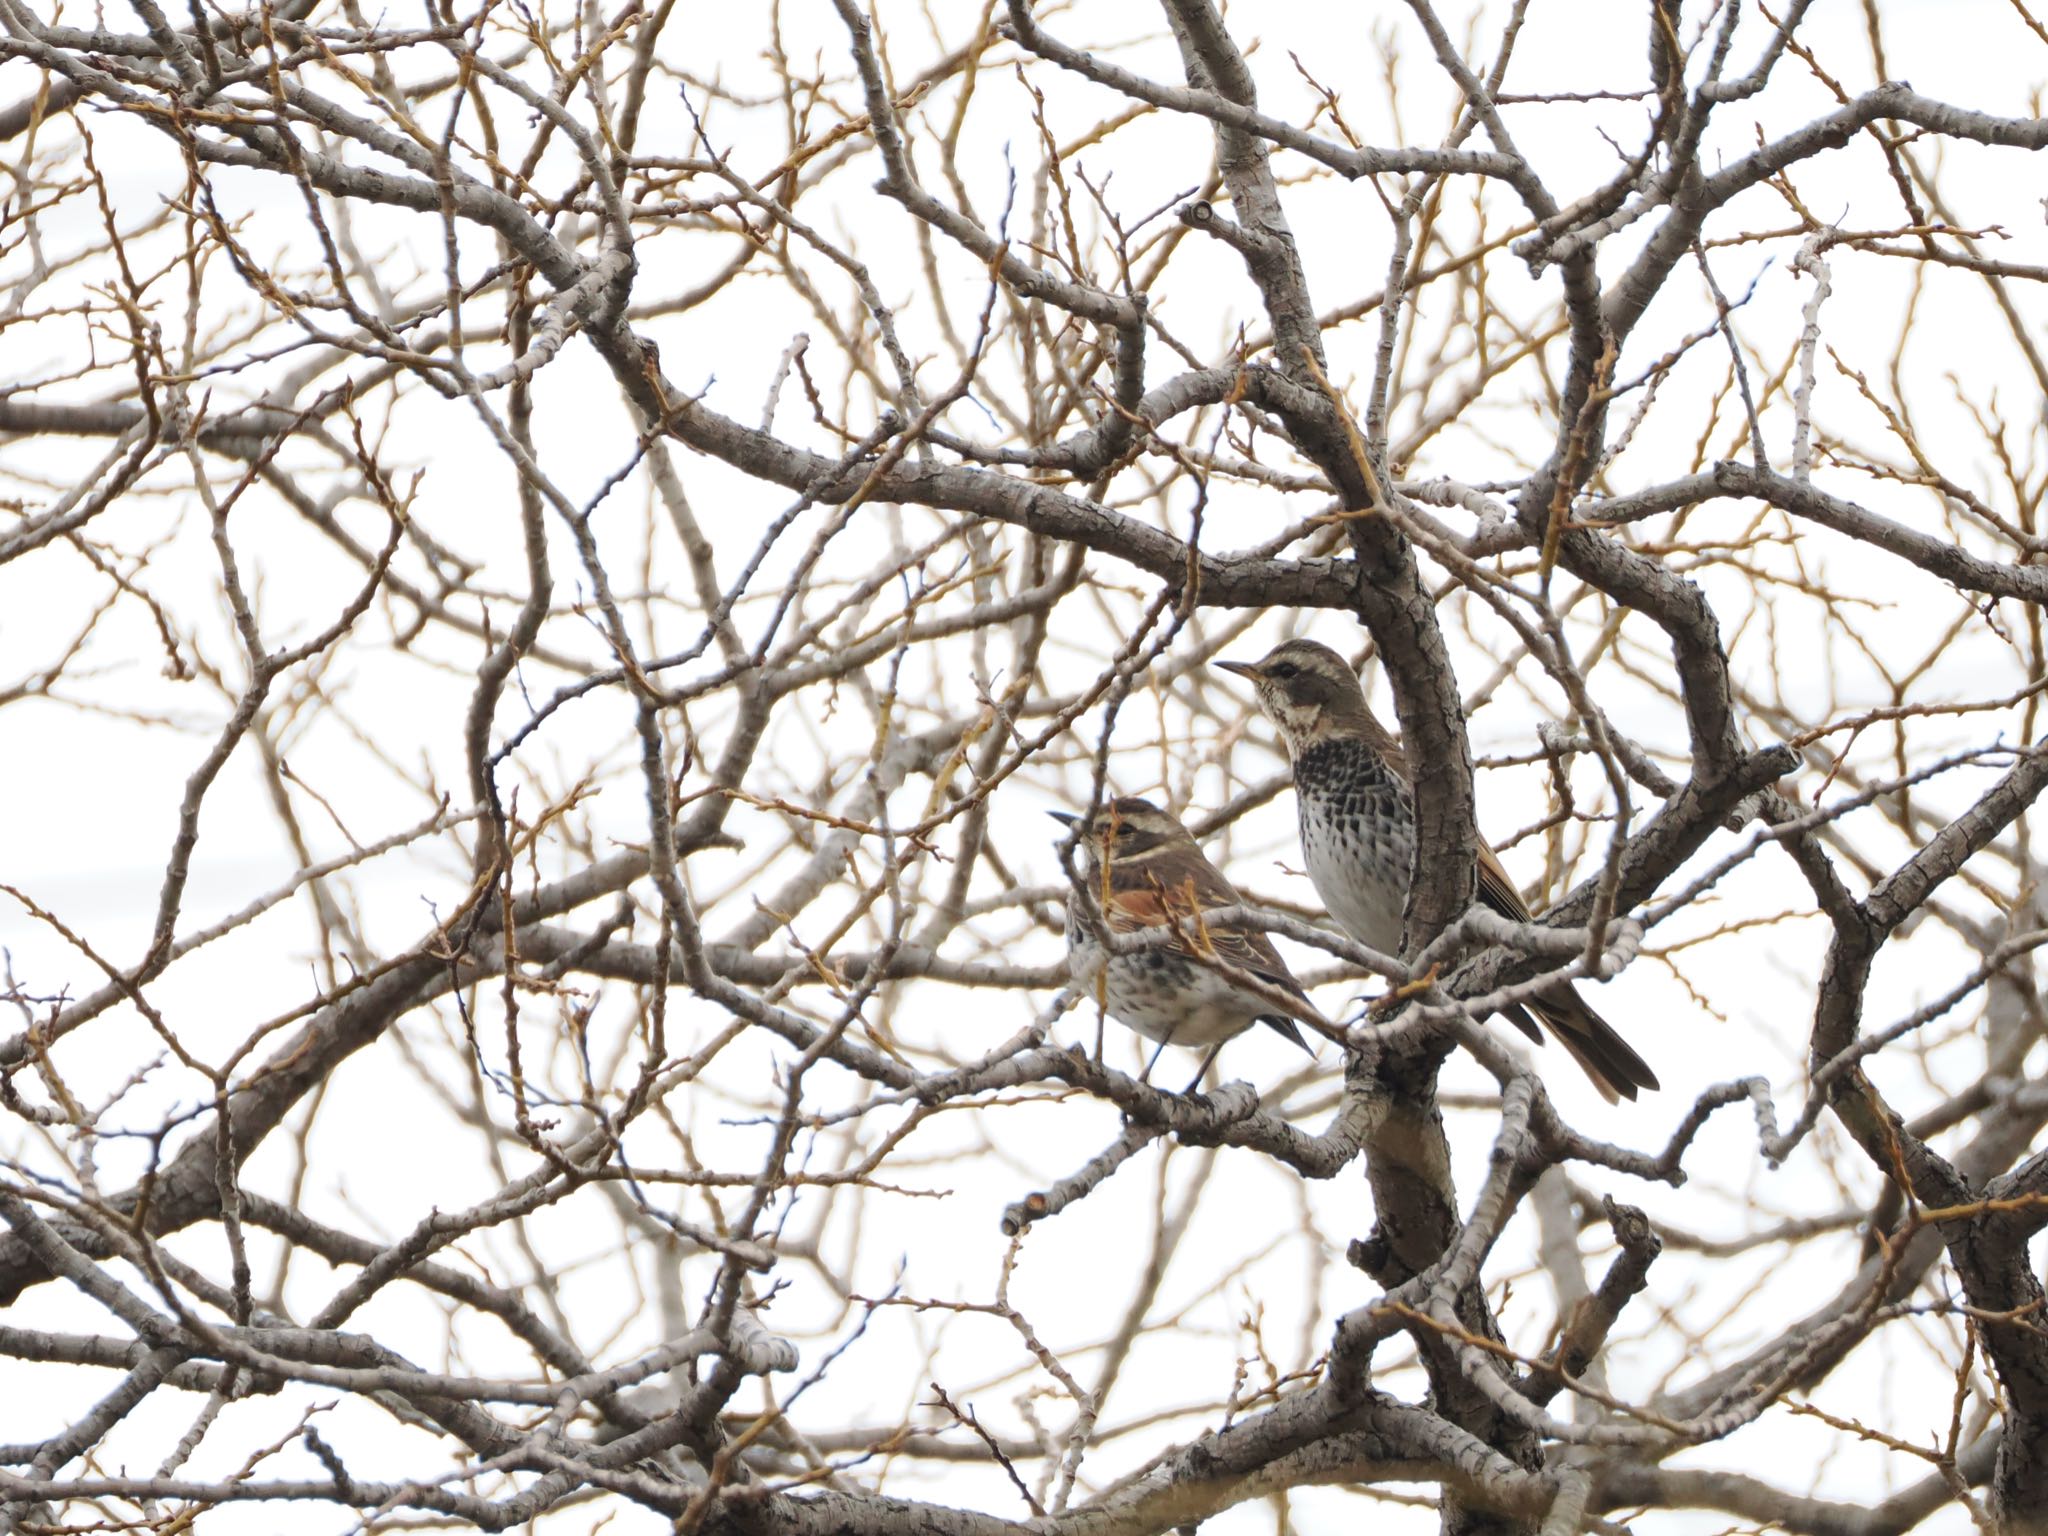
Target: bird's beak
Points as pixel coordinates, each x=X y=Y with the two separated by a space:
x=1065 y=818
x=1241 y=668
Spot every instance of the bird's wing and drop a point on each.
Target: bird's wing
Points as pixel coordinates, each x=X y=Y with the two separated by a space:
x=1608 y=1060
x=1395 y=756
x=1155 y=905
x=1498 y=890
x=1135 y=907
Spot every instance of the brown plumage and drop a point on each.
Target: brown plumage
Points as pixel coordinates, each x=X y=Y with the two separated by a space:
x=1352 y=789
x=1141 y=870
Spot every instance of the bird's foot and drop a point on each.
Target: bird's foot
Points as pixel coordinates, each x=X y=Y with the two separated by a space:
x=1389 y=1002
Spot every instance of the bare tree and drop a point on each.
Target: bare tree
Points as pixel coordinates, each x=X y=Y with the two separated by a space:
x=571 y=546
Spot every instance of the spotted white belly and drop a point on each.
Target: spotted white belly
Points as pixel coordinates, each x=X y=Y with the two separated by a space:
x=1160 y=994
x=1343 y=854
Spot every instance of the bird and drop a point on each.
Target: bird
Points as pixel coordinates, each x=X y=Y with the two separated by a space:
x=1353 y=797
x=1141 y=869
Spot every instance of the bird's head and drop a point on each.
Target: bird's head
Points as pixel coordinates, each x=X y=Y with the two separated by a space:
x=1124 y=831
x=1311 y=694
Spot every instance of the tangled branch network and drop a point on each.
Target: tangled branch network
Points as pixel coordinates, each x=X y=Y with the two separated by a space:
x=554 y=557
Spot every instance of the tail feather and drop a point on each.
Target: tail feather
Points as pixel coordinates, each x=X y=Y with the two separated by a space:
x=1518 y=1016
x=1616 y=1070
x=1286 y=1026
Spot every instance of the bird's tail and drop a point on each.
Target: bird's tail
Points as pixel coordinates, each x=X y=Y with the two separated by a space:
x=1286 y=1026
x=1616 y=1070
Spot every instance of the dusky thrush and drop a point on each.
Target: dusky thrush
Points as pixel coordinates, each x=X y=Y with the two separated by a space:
x=1357 y=815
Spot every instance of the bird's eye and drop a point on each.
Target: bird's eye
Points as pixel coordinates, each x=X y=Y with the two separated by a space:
x=1282 y=669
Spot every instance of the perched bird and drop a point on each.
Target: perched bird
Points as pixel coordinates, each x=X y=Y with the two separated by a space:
x=1357 y=812
x=1141 y=869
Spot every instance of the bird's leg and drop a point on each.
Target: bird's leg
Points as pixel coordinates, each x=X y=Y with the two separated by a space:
x=1202 y=1071
x=1153 y=1060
